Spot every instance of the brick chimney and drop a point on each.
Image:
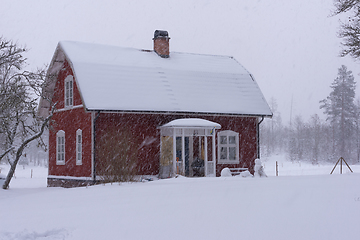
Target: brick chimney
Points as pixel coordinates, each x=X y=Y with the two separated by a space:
x=161 y=43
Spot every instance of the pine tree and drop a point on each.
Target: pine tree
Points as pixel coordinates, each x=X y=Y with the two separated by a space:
x=340 y=109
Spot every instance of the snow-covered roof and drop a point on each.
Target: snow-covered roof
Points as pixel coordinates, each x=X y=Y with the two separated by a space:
x=191 y=123
x=125 y=79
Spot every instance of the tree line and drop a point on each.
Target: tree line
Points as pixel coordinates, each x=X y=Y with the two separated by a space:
x=317 y=140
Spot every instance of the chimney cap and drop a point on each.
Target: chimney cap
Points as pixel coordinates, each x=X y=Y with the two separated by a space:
x=161 y=34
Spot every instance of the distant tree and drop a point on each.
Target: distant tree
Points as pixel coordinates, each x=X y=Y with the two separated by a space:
x=357 y=129
x=17 y=103
x=298 y=139
x=315 y=137
x=349 y=31
x=340 y=109
x=271 y=131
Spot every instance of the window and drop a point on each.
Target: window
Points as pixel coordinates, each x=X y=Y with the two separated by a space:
x=228 y=147
x=60 y=147
x=79 y=147
x=69 y=99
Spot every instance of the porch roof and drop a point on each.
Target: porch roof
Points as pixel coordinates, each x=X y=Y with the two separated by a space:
x=191 y=123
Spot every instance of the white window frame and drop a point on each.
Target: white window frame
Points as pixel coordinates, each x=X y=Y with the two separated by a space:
x=60 y=148
x=79 y=147
x=228 y=135
x=69 y=91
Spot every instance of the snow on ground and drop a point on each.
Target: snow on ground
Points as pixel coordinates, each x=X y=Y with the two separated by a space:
x=300 y=206
x=26 y=176
x=295 y=168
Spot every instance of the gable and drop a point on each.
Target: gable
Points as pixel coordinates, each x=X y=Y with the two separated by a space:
x=59 y=90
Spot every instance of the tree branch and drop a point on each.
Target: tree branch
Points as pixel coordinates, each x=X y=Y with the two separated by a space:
x=23 y=145
x=6 y=152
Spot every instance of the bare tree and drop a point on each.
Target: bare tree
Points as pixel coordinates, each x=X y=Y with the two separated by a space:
x=343 y=6
x=18 y=91
x=350 y=30
x=314 y=138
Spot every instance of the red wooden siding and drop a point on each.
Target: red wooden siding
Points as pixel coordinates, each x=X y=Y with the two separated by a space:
x=59 y=87
x=70 y=121
x=143 y=129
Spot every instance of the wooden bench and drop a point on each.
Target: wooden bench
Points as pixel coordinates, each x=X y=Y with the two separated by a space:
x=237 y=171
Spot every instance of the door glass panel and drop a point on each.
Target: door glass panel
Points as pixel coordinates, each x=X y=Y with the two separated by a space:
x=178 y=149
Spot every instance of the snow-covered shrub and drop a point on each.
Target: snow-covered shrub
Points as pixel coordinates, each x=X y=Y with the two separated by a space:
x=226 y=172
x=245 y=174
x=116 y=156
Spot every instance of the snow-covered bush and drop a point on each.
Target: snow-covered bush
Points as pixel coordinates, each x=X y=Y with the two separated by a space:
x=226 y=172
x=116 y=156
x=245 y=174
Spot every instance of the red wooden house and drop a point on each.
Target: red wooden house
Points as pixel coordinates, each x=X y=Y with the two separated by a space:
x=155 y=112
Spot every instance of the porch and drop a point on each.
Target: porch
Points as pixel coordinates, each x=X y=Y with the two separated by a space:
x=188 y=148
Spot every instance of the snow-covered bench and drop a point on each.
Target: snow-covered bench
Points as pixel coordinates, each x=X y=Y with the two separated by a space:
x=237 y=171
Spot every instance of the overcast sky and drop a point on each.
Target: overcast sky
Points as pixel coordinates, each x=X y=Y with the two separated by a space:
x=290 y=47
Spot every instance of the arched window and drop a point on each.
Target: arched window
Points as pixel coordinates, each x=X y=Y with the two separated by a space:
x=69 y=92
x=60 y=147
x=79 y=147
x=228 y=147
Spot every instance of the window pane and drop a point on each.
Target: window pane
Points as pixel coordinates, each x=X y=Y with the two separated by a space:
x=223 y=139
x=71 y=93
x=223 y=153
x=232 y=140
x=232 y=153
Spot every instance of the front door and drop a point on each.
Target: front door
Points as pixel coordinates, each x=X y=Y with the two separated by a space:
x=179 y=163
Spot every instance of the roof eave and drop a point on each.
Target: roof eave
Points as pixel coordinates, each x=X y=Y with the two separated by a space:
x=182 y=113
x=44 y=104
